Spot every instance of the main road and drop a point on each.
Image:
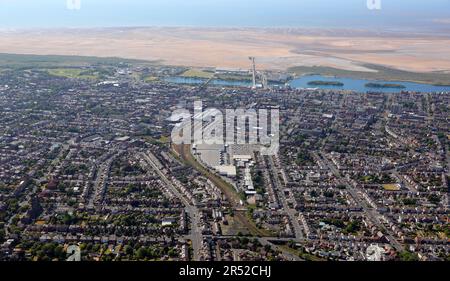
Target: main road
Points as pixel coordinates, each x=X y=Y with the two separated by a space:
x=289 y=211
x=194 y=214
x=372 y=214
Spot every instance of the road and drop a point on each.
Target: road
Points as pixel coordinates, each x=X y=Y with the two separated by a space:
x=28 y=197
x=403 y=181
x=101 y=181
x=195 y=232
x=284 y=252
x=293 y=215
x=371 y=213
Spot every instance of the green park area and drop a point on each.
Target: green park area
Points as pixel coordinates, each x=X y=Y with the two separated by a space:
x=197 y=73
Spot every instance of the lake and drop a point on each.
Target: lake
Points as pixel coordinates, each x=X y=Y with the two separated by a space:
x=358 y=85
x=352 y=84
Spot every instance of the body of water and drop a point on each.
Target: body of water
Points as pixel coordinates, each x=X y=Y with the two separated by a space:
x=394 y=14
x=358 y=85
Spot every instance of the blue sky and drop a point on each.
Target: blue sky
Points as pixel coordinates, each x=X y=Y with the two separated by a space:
x=395 y=14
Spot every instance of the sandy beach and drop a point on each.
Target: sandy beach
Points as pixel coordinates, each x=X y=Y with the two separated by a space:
x=275 y=49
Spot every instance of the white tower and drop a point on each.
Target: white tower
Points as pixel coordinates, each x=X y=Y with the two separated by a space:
x=253 y=71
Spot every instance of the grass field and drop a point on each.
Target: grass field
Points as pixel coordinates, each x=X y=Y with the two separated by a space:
x=164 y=140
x=71 y=73
x=234 y=227
x=234 y=77
x=391 y=187
x=382 y=73
x=205 y=74
x=15 y=61
x=150 y=79
x=197 y=73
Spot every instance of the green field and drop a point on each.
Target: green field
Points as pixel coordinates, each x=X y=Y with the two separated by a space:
x=99 y=72
x=71 y=73
x=234 y=77
x=74 y=67
x=198 y=73
x=14 y=61
x=382 y=73
x=149 y=79
x=391 y=187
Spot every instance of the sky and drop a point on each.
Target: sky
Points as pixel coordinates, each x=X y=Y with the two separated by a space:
x=393 y=15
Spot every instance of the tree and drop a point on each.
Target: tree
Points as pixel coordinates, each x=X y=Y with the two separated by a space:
x=172 y=253
x=353 y=227
x=408 y=256
x=128 y=250
x=141 y=253
x=59 y=253
x=434 y=199
x=313 y=193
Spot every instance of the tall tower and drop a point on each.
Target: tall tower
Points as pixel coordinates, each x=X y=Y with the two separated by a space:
x=253 y=71
x=265 y=84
